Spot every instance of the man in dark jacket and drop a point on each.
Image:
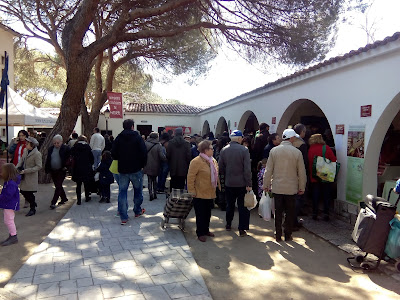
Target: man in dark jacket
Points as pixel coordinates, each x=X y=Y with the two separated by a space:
x=299 y=143
x=130 y=151
x=179 y=156
x=234 y=164
x=261 y=142
x=257 y=154
x=273 y=141
x=57 y=156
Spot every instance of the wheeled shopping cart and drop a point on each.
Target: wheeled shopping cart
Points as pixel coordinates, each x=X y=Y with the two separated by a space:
x=371 y=231
x=178 y=206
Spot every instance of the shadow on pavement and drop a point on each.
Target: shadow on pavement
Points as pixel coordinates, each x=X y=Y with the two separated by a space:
x=32 y=230
x=256 y=267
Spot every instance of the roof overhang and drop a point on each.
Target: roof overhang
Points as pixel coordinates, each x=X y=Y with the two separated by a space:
x=8 y=29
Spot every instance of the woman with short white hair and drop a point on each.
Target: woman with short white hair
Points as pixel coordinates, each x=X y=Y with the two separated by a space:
x=29 y=166
x=57 y=156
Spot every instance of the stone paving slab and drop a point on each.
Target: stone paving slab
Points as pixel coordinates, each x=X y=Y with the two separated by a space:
x=89 y=255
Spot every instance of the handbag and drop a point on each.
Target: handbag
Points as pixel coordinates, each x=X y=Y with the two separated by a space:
x=323 y=169
x=114 y=167
x=20 y=169
x=250 y=200
x=70 y=163
x=393 y=242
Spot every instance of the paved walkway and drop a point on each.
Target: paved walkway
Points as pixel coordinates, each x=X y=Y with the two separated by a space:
x=89 y=255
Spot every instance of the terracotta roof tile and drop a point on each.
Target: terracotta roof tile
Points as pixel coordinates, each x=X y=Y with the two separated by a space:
x=161 y=108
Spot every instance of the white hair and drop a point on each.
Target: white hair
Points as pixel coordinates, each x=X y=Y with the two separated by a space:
x=58 y=137
x=235 y=138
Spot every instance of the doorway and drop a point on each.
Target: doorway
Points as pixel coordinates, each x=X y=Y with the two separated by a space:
x=144 y=130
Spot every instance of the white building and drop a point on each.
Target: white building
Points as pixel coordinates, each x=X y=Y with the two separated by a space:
x=356 y=96
x=7 y=37
x=150 y=117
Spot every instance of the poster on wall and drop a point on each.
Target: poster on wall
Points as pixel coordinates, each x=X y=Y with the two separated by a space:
x=355 y=163
x=355 y=141
x=272 y=129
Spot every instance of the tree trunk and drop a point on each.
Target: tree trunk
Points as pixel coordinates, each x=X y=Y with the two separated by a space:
x=77 y=78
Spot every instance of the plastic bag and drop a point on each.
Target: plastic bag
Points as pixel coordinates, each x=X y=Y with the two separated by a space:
x=392 y=248
x=250 y=200
x=97 y=176
x=114 y=167
x=265 y=206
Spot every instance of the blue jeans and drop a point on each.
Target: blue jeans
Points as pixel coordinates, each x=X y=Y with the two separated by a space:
x=97 y=158
x=116 y=177
x=137 y=182
x=162 y=176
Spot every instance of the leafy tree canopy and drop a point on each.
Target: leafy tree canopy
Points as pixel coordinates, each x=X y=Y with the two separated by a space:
x=180 y=35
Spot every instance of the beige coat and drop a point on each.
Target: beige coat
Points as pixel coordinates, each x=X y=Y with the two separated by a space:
x=285 y=169
x=32 y=163
x=199 y=178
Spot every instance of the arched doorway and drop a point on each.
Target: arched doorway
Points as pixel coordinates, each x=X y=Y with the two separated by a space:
x=381 y=161
x=248 y=123
x=310 y=114
x=206 y=128
x=221 y=126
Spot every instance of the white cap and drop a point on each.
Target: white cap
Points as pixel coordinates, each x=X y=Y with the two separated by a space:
x=288 y=133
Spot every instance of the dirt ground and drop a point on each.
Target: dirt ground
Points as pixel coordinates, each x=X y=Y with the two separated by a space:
x=32 y=230
x=257 y=267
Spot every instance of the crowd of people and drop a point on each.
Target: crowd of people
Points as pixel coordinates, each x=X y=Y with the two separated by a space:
x=214 y=171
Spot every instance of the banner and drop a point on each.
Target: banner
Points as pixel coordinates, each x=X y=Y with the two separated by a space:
x=355 y=163
x=4 y=82
x=115 y=103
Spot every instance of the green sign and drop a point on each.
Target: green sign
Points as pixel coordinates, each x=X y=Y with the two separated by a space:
x=354 y=179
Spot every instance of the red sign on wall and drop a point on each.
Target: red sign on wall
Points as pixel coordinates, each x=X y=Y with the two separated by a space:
x=340 y=129
x=366 y=110
x=273 y=120
x=115 y=103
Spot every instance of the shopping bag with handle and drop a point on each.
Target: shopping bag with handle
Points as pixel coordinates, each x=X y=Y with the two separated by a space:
x=265 y=206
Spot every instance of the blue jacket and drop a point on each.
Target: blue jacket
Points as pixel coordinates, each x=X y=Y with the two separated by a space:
x=9 y=197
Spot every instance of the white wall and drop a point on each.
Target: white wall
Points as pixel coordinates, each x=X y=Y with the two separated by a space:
x=339 y=89
x=153 y=119
x=7 y=44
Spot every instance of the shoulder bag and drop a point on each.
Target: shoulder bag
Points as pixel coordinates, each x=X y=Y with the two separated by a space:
x=323 y=169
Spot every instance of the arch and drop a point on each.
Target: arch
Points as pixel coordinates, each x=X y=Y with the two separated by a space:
x=375 y=141
x=206 y=128
x=303 y=111
x=222 y=126
x=248 y=122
